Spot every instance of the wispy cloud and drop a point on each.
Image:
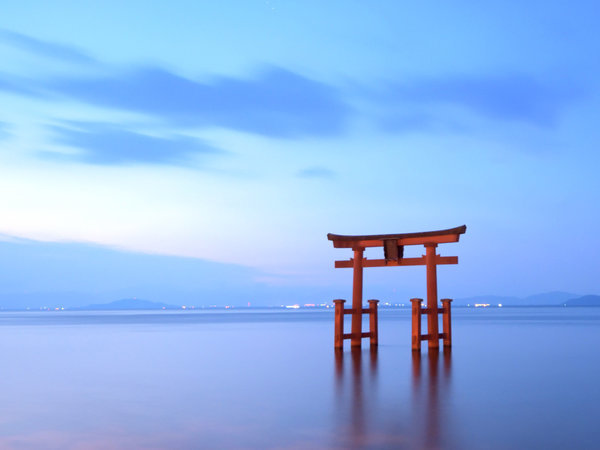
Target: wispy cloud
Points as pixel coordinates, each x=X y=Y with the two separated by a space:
x=19 y=86
x=44 y=48
x=316 y=172
x=281 y=103
x=504 y=97
x=406 y=122
x=109 y=145
x=4 y=133
x=277 y=103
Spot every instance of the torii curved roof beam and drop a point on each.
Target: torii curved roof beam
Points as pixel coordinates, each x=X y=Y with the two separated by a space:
x=377 y=240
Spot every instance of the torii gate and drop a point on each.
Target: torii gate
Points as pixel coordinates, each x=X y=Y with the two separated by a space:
x=393 y=250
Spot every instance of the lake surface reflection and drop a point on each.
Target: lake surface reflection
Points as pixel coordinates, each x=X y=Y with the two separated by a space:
x=516 y=378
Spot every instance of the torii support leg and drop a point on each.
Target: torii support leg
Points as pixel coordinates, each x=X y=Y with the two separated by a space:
x=373 y=327
x=432 y=301
x=447 y=322
x=338 y=341
x=416 y=323
x=357 y=292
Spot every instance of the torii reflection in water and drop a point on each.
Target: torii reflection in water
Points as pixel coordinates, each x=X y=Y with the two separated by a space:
x=369 y=420
x=430 y=395
x=352 y=404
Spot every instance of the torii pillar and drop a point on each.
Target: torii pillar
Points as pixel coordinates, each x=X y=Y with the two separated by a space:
x=432 y=318
x=357 y=293
x=393 y=249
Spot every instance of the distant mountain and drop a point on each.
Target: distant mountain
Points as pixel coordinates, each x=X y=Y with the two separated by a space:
x=129 y=304
x=545 y=299
x=586 y=300
x=549 y=298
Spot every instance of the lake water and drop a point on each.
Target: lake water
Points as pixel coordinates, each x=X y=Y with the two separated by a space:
x=516 y=378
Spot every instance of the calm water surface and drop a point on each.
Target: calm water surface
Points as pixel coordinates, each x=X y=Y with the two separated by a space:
x=516 y=378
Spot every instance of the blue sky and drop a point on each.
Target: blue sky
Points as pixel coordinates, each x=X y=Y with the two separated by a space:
x=238 y=134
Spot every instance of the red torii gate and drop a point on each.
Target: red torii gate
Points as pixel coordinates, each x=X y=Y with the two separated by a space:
x=393 y=248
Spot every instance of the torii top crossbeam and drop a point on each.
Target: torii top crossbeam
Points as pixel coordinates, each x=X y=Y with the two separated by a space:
x=393 y=246
x=377 y=240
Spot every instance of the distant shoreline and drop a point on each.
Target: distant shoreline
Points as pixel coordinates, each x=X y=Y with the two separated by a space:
x=268 y=308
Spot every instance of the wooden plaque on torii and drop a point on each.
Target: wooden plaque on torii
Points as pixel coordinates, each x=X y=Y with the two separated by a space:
x=393 y=250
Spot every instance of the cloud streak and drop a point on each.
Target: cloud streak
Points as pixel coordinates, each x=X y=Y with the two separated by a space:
x=43 y=48
x=4 y=133
x=277 y=103
x=504 y=97
x=283 y=104
x=19 y=86
x=108 y=145
x=316 y=172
